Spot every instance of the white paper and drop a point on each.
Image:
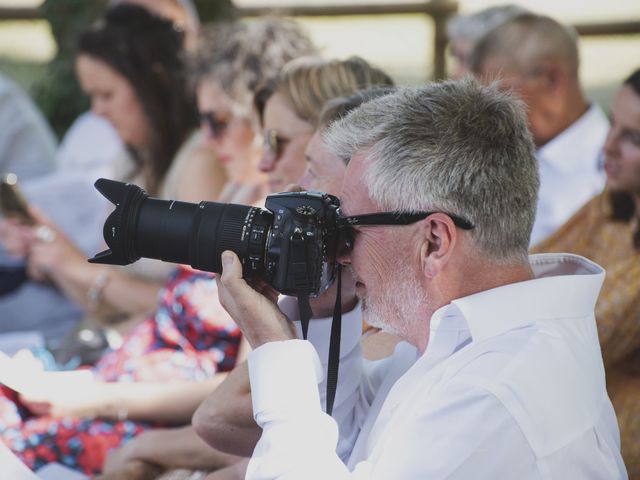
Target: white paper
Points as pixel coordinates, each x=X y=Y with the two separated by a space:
x=56 y=471
x=27 y=376
x=12 y=468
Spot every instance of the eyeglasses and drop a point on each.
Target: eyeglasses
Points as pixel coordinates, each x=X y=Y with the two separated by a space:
x=215 y=125
x=273 y=143
x=390 y=218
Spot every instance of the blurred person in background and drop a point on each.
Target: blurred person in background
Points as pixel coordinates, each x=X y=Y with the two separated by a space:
x=537 y=58
x=464 y=31
x=91 y=144
x=131 y=64
x=233 y=61
x=292 y=118
x=27 y=144
x=174 y=358
x=606 y=230
x=321 y=171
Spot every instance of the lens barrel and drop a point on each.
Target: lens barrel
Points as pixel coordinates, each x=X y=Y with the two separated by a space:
x=181 y=232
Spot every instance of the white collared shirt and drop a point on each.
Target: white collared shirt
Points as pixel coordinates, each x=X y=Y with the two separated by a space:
x=571 y=172
x=511 y=386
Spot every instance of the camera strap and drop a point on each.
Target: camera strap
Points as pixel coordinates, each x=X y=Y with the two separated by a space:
x=334 y=342
x=334 y=346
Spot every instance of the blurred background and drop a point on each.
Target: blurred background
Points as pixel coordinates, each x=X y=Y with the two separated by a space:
x=406 y=38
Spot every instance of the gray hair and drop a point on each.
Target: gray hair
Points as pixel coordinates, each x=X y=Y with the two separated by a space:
x=456 y=147
x=527 y=42
x=473 y=26
x=241 y=56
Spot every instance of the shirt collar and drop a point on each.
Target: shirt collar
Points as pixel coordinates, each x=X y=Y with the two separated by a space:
x=578 y=142
x=565 y=286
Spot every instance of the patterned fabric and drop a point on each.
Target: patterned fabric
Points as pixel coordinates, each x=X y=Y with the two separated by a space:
x=591 y=232
x=190 y=337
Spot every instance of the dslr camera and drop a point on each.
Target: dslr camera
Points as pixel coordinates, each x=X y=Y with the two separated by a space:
x=291 y=243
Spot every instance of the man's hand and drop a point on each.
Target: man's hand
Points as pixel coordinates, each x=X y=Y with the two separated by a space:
x=253 y=308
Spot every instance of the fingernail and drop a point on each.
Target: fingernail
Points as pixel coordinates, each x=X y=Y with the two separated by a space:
x=227 y=259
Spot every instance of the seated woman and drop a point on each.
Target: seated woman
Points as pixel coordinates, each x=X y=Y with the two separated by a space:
x=321 y=171
x=171 y=361
x=606 y=231
x=131 y=65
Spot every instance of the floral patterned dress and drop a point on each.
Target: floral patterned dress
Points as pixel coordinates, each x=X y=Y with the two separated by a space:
x=188 y=338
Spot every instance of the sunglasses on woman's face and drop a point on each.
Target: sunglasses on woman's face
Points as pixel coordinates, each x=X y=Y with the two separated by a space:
x=273 y=144
x=214 y=123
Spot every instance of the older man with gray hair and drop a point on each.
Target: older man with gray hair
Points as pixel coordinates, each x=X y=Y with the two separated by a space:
x=500 y=374
x=538 y=58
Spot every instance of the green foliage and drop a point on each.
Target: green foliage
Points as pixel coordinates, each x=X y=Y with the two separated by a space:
x=57 y=93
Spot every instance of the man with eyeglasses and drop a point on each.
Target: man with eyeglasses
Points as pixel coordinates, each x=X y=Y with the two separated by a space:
x=500 y=374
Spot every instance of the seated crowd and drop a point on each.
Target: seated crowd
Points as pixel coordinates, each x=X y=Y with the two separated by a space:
x=485 y=273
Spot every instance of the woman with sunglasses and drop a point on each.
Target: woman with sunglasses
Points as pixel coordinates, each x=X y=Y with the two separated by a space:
x=131 y=65
x=234 y=59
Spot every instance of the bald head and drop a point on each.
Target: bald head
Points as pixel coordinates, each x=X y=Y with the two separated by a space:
x=537 y=58
x=528 y=42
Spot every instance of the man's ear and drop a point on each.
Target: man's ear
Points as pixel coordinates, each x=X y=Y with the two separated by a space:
x=438 y=237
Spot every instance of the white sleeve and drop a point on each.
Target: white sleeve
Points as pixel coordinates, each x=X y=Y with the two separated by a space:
x=288 y=390
x=296 y=433
x=451 y=438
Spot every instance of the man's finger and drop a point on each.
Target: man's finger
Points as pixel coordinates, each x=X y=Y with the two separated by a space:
x=231 y=278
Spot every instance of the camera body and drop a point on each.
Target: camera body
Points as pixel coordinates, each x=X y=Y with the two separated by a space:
x=302 y=238
x=291 y=243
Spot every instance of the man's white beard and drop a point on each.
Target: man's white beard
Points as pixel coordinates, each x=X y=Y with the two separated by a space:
x=399 y=307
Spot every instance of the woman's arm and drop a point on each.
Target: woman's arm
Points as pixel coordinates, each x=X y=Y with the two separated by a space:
x=89 y=285
x=170 y=402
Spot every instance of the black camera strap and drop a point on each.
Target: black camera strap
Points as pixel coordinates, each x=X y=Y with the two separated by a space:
x=334 y=346
x=334 y=342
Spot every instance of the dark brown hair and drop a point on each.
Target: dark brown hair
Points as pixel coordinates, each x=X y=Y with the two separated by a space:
x=147 y=51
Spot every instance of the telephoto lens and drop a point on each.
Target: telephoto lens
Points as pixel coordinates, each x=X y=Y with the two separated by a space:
x=181 y=232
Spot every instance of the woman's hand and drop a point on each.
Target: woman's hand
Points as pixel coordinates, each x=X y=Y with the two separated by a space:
x=65 y=394
x=134 y=470
x=51 y=252
x=16 y=237
x=125 y=456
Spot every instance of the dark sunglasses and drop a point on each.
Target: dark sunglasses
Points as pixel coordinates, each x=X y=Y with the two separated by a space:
x=216 y=126
x=389 y=218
